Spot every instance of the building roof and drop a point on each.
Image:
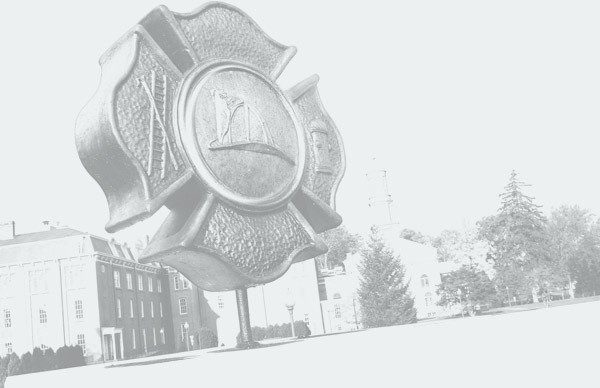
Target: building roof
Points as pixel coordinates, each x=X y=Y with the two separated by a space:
x=47 y=244
x=40 y=236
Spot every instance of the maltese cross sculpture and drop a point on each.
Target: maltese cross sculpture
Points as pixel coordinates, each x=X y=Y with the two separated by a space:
x=188 y=115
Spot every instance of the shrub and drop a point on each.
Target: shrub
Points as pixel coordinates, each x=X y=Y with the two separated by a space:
x=3 y=369
x=69 y=356
x=207 y=338
x=278 y=331
x=26 y=364
x=60 y=357
x=302 y=329
x=49 y=360
x=37 y=360
x=78 y=357
x=14 y=365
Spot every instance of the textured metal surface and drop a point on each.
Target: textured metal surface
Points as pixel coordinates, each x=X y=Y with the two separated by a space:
x=240 y=238
x=188 y=115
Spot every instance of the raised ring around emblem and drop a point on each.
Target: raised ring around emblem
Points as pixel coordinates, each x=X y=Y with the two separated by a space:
x=241 y=135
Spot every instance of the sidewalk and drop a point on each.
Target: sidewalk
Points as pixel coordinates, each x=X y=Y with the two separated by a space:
x=552 y=347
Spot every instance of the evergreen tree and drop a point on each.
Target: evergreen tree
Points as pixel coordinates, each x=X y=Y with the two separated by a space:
x=518 y=240
x=522 y=225
x=383 y=292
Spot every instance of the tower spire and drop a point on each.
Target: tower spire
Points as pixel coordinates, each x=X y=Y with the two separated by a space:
x=380 y=199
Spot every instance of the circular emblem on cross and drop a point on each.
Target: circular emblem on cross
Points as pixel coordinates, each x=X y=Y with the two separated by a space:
x=188 y=115
x=242 y=135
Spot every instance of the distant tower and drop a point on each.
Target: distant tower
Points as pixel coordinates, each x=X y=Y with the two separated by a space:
x=380 y=200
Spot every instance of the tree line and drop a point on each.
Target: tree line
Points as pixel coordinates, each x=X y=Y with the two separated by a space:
x=517 y=255
x=520 y=255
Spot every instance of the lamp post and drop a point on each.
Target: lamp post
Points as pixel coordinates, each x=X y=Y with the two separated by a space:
x=186 y=326
x=290 y=303
x=462 y=311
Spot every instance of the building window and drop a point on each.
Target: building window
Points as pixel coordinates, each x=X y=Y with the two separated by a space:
x=79 y=309
x=162 y=335
x=117 y=276
x=129 y=281
x=186 y=284
x=152 y=309
x=154 y=336
x=102 y=268
x=338 y=311
x=144 y=339
x=150 y=286
x=184 y=332
x=140 y=282
x=220 y=301
x=7 y=319
x=43 y=348
x=141 y=308
x=428 y=299
x=306 y=319
x=43 y=316
x=424 y=281
x=182 y=306
x=133 y=338
x=8 y=348
x=38 y=281
x=160 y=308
x=118 y=308
x=337 y=296
x=81 y=342
x=6 y=284
x=159 y=285
x=75 y=277
x=176 y=282
x=131 y=308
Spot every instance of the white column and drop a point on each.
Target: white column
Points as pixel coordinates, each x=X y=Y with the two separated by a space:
x=114 y=346
x=121 y=345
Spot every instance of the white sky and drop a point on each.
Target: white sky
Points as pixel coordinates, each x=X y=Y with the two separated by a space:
x=450 y=96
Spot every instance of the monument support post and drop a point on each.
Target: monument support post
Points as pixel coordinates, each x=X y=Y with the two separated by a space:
x=241 y=296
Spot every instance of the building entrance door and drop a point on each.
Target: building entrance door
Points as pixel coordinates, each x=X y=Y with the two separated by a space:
x=108 y=348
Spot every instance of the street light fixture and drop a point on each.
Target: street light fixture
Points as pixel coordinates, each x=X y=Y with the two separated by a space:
x=186 y=326
x=290 y=303
x=462 y=311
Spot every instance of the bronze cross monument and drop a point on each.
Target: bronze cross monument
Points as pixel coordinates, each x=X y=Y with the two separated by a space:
x=188 y=115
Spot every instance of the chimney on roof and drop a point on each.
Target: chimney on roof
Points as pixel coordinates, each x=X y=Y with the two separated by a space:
x=7 y=230
x=51 y=225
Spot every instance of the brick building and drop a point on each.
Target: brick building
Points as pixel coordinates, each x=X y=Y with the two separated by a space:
x=65 y=287
x=189 y=312
x=62 y=287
